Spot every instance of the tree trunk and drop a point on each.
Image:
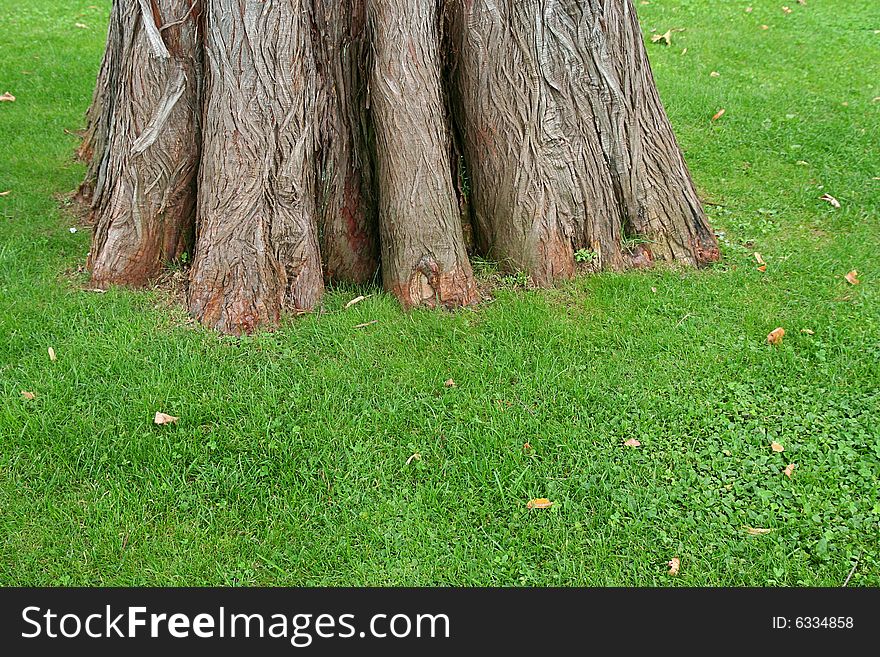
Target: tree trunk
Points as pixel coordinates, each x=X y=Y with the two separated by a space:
x=424 y=260
x=144 y=197
x=348 y=222
x=257 y=249
x=335 y=138
x=567 y=143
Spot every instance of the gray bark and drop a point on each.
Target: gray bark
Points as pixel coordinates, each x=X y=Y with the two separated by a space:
x=333 y=138
x=568 y=145
x=424 y=260
x=257 y=247
x=146 y=157
x=348 y=221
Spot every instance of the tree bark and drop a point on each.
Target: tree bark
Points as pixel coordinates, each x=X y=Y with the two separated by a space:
x=313 y=140
x=424 y=260
x=257 y=246
x=348 y=222
x=144 y=197
x=567 y=143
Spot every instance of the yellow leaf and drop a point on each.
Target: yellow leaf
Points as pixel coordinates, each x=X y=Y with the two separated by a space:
x=853 y=277
x=28 y=395
x=789 y=470
x=449 y=383
x=830 y=199
x=52 y=355
x=775 y=336
x=674 y=566
x=414 y=457
x=539 y=503
x=7 y=98
x=6 y=193
x=776 y=447
x=759 y=259
x=757 y=531
x=632 y=442
x=665 y=38
x=719 y=114
x=162 y=418
x=808 y=331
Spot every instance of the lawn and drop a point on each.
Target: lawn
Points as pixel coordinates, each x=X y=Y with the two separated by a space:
x=293 y=461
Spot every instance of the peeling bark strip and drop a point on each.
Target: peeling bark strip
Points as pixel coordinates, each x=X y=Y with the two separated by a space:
x=348 y=222
x=146 y=122
x=424 y=261
x=567 y=142
x=257 y=247
x=330 y=138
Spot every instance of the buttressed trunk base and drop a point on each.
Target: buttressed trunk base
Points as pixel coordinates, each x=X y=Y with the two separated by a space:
x=285 y=143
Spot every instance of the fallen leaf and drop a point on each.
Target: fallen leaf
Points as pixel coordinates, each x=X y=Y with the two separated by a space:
x=665 y=38
x=527 y=446
x=632 y=442
x=759 y=259
x=366 y=324
x=539 y=503
x=81 y=26
x=52 y=355
x=853 y=277
x=354 y=301
x=776 y=447
x=775 y=336
x=7 y=98
x=830 y=199
x=719 y=114
x=72 y=229
x=786 y=10
x=654 y=290
x=414 y=457
x=757 y=531
x=28 y=395
x=789 y=469
x=449 y=383
x=162 y=418
x=765 y=27
x=808 y=331
x=7 y=193
x=674 y=566
x=714 y=74
x=762 y=268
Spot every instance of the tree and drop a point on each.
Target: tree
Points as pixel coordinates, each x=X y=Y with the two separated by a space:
x=285 y=143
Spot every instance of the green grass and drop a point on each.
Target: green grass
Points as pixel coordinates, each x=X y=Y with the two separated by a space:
x=289 y=465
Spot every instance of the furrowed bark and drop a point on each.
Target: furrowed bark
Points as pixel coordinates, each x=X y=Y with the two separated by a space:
x=257 y=247
x=424 y=261
x=92 y=150
x=144 y=197
x=348 y=222
x=567 y=143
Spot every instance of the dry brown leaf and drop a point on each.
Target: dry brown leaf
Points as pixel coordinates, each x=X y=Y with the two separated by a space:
x=414 y=457
x=762 y=268
x=7 y=98
x=6 y=193
x=775 y=336
x=719 y=114
x=28 y=395
x=527 y=446
x=663 y=38
x=789 y=469
x=52 y=355
x=81 y=26
x=786 y=10
x=759 y=259
x=632 y=442
x=674 y=566
x=449 y=383
x=853 y=277
x=354 y=301
x=162 y=418
x=539 y=503
x=714 y=74
x=366 y=324
x=808 y=331
x=757 y=531
x=765 y=27
x=830 y=199
x=776 y=447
